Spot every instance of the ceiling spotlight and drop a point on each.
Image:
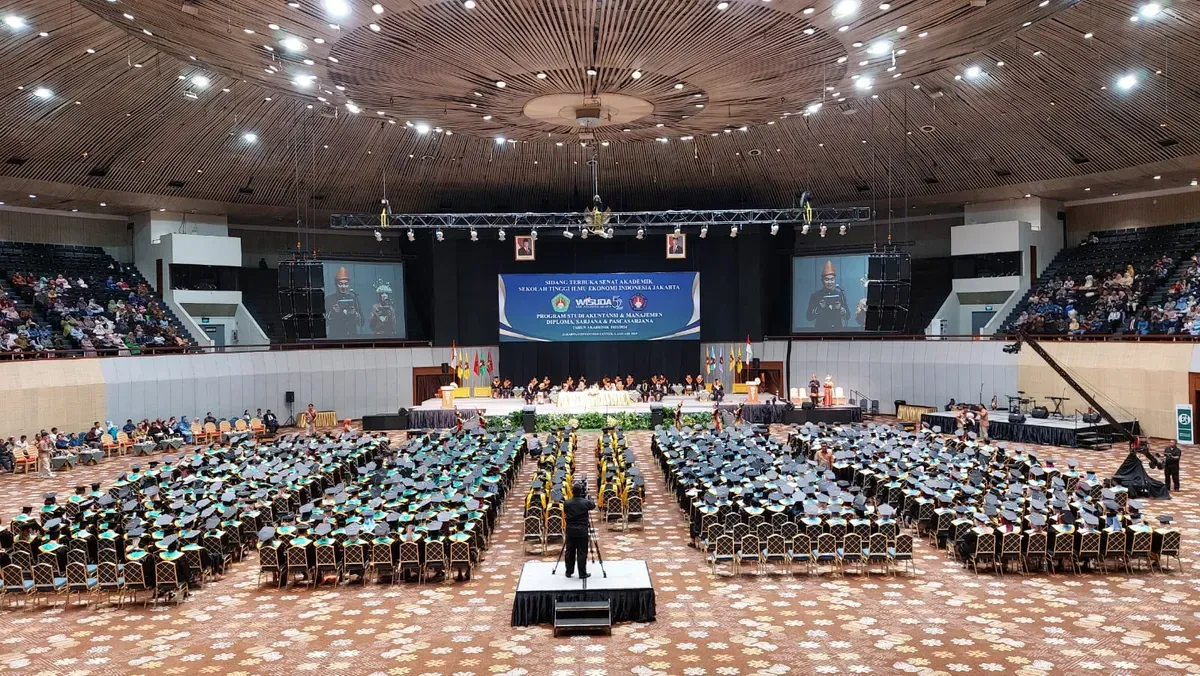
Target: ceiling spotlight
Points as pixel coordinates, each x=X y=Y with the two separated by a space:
x=923 y=34
x=823 y=230
x=469 y=4
x=637 y=75
x=541 y=76
x=1127 y=81
x=678 y=229
x=901 y=29
x=501 y=234
x=440 y=237
x=1150 y=9
x=722 y=6
x=804 y=229
x=487 y=117
x=200 y=81
x=303 y=80
x=774 y=229
x=885 y=6
x=412 y=236
x=250 y=137
x=292 y=44
x=422 y=128
x=880 y=48
x=733 y=231
x=568 y=234
x=374 y=26
x=378 y=236
x=641 y=232
x=1157 y=178
x=845 y=8
x=812 y=108
x=842 y=230
x=499 y=140
x=808 y=10
x=43 y=93
x=583 y=234
x=1087 y=36
x=474 y=235
x=973 y=71
x=591 y=72
x=1043 y=3
x=863 y=83
x=352 y=108
x=377 y=8
x=703 y=231
x=809 y=31
x=336 y=8
x=533 y=234
x=679 y=85
x=14 y=22
x=501 y=84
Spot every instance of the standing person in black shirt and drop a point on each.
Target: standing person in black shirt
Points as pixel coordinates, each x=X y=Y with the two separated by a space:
x=578 y=523
x=1171 y=456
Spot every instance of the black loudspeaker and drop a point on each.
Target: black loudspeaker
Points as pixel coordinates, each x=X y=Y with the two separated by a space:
x=316 y=301
x=316 y=275
x=1091 y=418
x=887 y=319
x=1040 y=412
x=875 y=267
x=874 y=293
x=529 y=418
x=1016 y=418
x=754 y=363
x=289 y=397
x=402 y=415
x=656 y=415
x=445 y=368
x=285 y=274
x=806 y=405
x=286 y=304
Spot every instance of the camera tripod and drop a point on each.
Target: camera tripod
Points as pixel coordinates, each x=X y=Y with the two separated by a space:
x=593 y=549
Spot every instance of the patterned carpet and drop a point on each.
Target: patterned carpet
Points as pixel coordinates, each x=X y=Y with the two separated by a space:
x=943 y=620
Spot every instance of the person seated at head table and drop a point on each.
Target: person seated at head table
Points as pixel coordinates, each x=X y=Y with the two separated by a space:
x=583 y=384
x=718 y=391
x=699 y=382
x=619 y=384
x=568 y=384
x=689 y=385
x=531 y=390
x=544 y=386
x=496 y=392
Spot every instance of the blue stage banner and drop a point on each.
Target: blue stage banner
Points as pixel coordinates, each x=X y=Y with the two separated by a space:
x=600 y=307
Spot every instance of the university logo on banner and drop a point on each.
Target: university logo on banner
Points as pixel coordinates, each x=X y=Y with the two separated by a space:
x=1184 y=424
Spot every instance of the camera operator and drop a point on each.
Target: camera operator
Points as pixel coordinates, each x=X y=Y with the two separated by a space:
x=578 y=523
x=1171 y=456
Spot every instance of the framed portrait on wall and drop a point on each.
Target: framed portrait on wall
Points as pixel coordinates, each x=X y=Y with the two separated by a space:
x=676 y=245
x=524 y=248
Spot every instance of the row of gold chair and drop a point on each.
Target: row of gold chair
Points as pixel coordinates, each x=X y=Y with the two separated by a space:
x=780 y=552
x=363 y=562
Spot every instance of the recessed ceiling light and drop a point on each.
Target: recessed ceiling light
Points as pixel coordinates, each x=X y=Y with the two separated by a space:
x=856 y=44
x=808 y=10
x=336 y=8
x=1087 y=189
x=499 y=140
x=333 y=59
x=541 y=76
x=1087 y=36
x=885 y=6
x=44 y=34
x=269 y=48
x=699 y=105
x=922 y=34
x=974 y=71
x=104 y=204
x=679 y=85
x=309 y=62
x=273 y=26
x=843 y=29
x=863 y=83
x=1027 y=24
x=1150 y=9
x=1038 y=53
x=1127 y=81
x=1157 y=178
x=812 y=108
x=591 y=72
x=880 y=48
x=916 y=86
x=377 y=8
x=43 y=93
x=374 y=26
x=422 y=128
x=901 y=52
x=722 y=6
x=901 y=29
x=501 y=84
x=17 y=23
x=469 y=4
x=294 y=5
x=128 y=16
x=660 y=124
x=200 y=81
x=248 y=31
x=637 y=75
x=845 y=8
x=250 y=137
x=319 y=41
x=1000 y=64
x=293 y=44
x=91 y=51
x=226 y=90
x=352 y=108
x=863 y=63
x=487 y=117
x=809 y=31
x=841 y=59
x=303 y=80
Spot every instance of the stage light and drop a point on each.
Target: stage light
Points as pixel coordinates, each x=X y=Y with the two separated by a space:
x=378 y=236
x=733 y=230
x=440 y=236
x=641 y=232
x=774 y=229
x=678 y=230
x=637 y=75
x=703 y=231
x=608 y=234
x=568 y=234
x=583 y=234
x=842 y=230
x=533 y=234
x=412 y=236
x=804 y=229
x=501 y=234
x=474 y=235
x=501 y=84
x=822 y=230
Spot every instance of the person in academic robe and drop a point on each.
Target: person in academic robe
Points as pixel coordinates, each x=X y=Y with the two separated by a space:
x=531 y=390
x=827 y=306
x=814 y=391
x=689 y=385
x=828 y=400
x=496 y=391
x=718 y=391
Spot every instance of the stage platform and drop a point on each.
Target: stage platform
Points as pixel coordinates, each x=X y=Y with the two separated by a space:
x=628 y=587
x=1049 y=431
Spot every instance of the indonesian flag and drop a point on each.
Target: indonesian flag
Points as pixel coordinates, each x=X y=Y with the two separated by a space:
x=489 y=364
x=454 y=357
x=721 y=359
x=749 y=350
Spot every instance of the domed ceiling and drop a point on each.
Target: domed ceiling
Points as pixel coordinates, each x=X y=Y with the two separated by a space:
x=500 y=104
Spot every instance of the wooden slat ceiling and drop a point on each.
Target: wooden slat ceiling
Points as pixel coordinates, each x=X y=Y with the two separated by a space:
x=120 y=120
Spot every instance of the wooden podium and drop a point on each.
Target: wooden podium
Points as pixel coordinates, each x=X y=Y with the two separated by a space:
x=447 y=392
x=751 y=393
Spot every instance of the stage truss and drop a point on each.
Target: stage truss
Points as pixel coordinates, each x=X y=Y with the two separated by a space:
x=617 y=220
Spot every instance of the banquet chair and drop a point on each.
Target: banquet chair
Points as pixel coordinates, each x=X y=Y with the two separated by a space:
x=223 y=429
x=764 y=531
x=16 y=586
x=754 y=521
x=1010 y=551
x=614 y=511
x=902 y=550
x=715 y=531
x=534 y=535
x=22 y=559
x=633 y=512
x=133 y=582
x=435 y=558
x=80 y=556
x=297 y=563
x=24 y=460
x=109 y=581
x=1170 y=549
x=354 y=562
x=327 y=565
x=1064 y=550
x=778 y=520
x=554 y=526
x=732 y=519
x=740 y=530
x=109 y=446
x=723 y=552
x=925 y=515
x=889 y=529
x=837 y=528
x=410 y=558
x=80 y=582
x=826 y=552
x=789 y=530
x=1035 y=551
x=47 y=583
x=257 y=428
x=1089 y=548
x=776 y=551
x=167 y=582
x=1139 y=550
x=800 y=550
x=49 y=559
x=195 y=564
x=750 y=551
x=382 y=563
x=877 y=552
x=198 y=433
x=985 y=551
x=851 y=551
x=220 y=556
x=211 y=433
x=460 y=558
x=269 y=564
x=960 y=531
x=124 y=443
x=942 y=531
